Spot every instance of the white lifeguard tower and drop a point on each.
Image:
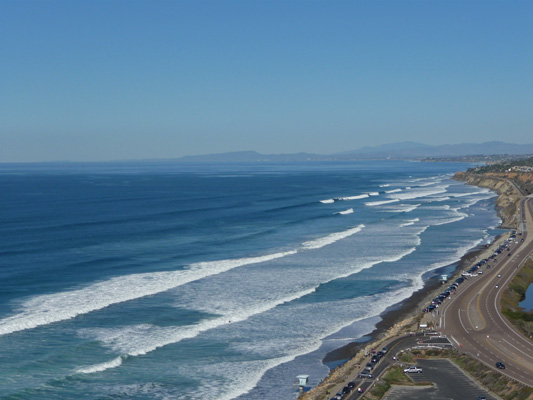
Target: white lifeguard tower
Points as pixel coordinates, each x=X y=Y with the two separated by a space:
x=302 y=381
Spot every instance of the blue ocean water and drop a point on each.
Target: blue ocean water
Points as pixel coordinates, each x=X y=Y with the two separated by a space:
x=177 y=281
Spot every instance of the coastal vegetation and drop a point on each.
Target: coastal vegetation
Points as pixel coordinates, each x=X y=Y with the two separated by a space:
x=514 y=294
x=393 y=376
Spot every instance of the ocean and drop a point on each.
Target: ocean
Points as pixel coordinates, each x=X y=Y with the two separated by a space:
x=161 y=280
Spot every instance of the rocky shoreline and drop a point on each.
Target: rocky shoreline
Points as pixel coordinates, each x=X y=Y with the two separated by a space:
x=405 y=316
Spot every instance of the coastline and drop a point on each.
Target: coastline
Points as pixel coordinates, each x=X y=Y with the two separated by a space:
x=405 y=313
x=408 y=308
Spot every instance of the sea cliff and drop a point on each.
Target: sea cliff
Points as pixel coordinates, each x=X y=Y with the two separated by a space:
x=508 y=194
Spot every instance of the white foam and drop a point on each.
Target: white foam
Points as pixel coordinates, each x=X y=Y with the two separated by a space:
x=345 y=212
x=379 y=203
x=393 y=191
x=141 y=339
x=116 y=362
x=385 y=185
x=245 y=376
x=427 y=183
x=373 y=193
x=450 y=220
x=468 y=194
x=409 y=222
x=46 y=309
x=332 y=238
x=438 y=199
x=361 y=196
x=404 y=208
x=415 y=194
x=328 y=201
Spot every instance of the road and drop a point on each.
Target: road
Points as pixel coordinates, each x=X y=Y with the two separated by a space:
x=472 y=318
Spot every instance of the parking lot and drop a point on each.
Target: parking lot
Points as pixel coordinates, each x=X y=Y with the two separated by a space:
x=449 y=382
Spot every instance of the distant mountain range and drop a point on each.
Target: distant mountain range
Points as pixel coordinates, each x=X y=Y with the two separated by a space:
x=401 y=150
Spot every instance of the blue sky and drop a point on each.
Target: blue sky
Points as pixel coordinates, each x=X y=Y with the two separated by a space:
x=110 y=80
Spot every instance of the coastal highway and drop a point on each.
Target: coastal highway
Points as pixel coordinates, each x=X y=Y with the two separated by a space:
x=472 y=317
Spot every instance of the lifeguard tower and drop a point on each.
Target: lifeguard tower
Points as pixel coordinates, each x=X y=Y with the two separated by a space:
x=302 y=381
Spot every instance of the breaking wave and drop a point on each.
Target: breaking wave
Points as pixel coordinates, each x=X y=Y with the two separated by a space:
x=345 y=212
x=334 y=237
x=379 y=203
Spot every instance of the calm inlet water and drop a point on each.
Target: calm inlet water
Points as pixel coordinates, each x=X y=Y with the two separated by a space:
x=168 y=281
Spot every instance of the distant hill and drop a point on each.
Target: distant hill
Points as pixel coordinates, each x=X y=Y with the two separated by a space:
x=399 y=151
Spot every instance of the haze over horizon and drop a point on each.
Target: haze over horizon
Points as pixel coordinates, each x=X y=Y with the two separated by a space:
x=114 y=80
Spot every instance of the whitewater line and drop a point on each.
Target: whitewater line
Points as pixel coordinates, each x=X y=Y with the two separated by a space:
x=38 y=311
x=176 y=335
x=332 y=238
x=50 y=308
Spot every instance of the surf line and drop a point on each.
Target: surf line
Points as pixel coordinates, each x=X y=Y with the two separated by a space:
x=56 y=307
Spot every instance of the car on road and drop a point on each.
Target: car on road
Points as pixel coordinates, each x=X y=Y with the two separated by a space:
x=365 y=375
x=481 y=398
x=412 y=370
x=500 y=365
x=499 y=275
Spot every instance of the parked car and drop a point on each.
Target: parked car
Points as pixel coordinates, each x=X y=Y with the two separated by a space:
x=365 y=375
x=412 y=370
